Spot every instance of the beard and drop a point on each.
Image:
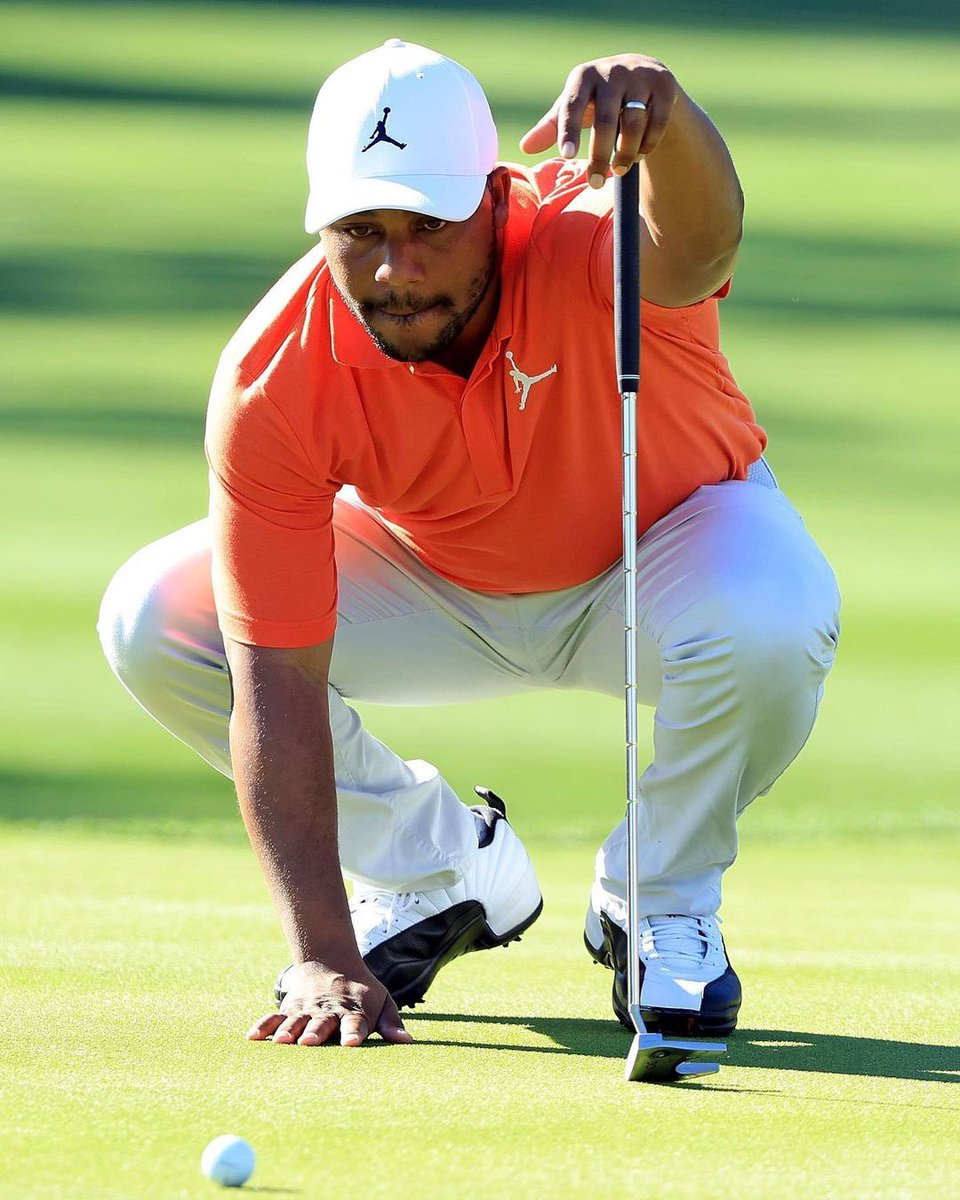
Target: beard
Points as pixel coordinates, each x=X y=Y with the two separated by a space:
x=457 y=321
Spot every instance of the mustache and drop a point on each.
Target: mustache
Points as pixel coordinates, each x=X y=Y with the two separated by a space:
x=405 y=303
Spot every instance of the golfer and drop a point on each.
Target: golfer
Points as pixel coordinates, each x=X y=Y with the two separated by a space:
x=414 y=450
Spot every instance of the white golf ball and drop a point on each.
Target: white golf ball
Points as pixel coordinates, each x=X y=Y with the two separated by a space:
x=228 y=1160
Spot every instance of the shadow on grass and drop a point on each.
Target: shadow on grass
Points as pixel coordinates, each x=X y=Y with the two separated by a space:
x=139 y=803
x=816 y=277
x=859 y=16
x=920 y=124
x=769 y=1049
x=147 y=423
x=104 y=282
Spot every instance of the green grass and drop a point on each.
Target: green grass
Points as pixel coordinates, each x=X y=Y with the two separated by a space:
x=833 y=1087
x=151 y=188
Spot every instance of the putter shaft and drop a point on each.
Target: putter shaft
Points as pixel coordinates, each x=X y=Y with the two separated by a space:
x=651 y=1057
x=626 y=250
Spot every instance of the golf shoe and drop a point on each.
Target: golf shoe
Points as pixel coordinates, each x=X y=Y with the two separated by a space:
x=406 y=937
x=687 y=985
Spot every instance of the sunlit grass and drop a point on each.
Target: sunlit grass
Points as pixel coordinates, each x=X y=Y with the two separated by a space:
x=152 y=187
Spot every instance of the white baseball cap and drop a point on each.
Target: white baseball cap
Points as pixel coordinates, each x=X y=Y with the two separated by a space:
x=399 y=127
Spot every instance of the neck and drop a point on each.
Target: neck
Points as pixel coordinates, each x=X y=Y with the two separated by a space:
x=462 y=354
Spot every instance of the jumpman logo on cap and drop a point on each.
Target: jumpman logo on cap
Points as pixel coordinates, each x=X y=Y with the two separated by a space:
x=523 y=383
x=380 y=135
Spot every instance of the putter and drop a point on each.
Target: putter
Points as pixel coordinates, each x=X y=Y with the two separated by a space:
x=652 y=1057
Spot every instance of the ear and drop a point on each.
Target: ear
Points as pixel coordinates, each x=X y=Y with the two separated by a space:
x=499 y=179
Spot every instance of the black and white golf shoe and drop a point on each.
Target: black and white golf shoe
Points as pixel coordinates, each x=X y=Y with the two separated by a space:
x=406 y=937
x=687 y=986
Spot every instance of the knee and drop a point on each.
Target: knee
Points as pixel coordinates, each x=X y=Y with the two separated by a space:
x=787 y=647
x=774 y=636
x=132 y=619
x=156 y=609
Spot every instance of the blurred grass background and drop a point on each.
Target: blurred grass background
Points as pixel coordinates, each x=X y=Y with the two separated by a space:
x=151 y=189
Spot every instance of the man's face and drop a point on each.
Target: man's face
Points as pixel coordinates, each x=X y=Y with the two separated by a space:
x=414 y=282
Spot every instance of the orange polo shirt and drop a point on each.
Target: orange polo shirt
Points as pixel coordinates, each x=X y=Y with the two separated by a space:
x=508 y=481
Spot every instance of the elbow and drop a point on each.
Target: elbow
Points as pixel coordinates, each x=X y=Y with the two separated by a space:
x=719 y=261
x=730 y=235
x=716 y=242
x=724 y=229
x=722 y=266
x=711 y=267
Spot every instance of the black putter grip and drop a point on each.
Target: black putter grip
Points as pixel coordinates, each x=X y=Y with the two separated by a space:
x=626 y=277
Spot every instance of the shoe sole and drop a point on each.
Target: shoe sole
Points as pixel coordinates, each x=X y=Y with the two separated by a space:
x=408 y=963
x=675 y=1023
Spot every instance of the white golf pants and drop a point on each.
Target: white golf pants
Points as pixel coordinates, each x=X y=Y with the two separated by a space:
x=738 y=615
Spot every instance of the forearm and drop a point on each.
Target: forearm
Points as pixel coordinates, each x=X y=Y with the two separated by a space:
x=282 y=754
x=691 y=195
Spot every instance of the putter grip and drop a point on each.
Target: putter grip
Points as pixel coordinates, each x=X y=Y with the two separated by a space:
x=626 y=277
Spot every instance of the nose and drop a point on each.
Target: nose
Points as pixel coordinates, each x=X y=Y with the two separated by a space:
x=401 y=265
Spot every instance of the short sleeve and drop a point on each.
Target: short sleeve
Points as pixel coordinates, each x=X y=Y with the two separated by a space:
x=271 y=510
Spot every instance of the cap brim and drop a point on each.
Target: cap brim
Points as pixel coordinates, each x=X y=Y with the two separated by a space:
x=449 y=198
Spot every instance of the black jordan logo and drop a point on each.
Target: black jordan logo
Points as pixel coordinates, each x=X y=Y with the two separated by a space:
x=380 y=135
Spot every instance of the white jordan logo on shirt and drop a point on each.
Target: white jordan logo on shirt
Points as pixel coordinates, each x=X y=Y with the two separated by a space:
x=523 y=383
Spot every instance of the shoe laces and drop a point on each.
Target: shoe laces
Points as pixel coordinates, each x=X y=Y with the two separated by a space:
x=682 y=940
x=395 y=903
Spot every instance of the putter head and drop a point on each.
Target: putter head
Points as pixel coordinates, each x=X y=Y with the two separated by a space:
x=656 y=1059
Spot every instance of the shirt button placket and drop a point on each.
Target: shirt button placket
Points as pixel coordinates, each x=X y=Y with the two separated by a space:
x=487 y=457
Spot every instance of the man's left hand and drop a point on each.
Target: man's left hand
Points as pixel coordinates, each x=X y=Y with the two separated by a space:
x=594 y=96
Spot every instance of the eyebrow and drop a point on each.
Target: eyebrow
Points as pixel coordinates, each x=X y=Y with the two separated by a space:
x=371 y=216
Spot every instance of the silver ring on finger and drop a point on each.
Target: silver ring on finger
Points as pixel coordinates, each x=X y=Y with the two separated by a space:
x=639 y=105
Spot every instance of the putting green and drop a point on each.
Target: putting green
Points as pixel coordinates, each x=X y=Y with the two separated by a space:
x=133 y=967
x=153 y=188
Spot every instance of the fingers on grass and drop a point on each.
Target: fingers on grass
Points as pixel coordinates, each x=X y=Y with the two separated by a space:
x=265 y=1027
x=291 y=1029
x=353 y=1029
x=390 y=1027
x=343 y=1021
x=318 y=1030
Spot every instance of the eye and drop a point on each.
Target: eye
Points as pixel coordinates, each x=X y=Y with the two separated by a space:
x=432 y=224
x=357 y=232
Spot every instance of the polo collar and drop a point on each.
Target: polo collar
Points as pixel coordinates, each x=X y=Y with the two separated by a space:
x=352 y=346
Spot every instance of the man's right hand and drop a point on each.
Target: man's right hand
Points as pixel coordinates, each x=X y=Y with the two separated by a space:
x=324 y=1004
